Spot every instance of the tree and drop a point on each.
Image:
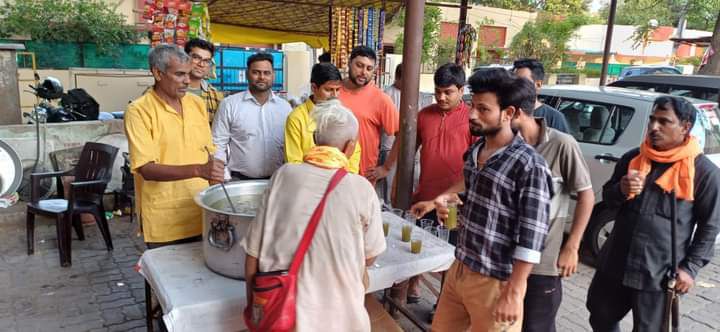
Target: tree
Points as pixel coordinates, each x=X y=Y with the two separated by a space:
x=75 y=21
x=431 y=31
x=642 y=34
x=713 y=65
x=445 y=52
x=546 y=38
x=561 y=7
x=700 y=13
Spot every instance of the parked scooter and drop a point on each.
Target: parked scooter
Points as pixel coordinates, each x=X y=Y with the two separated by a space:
x=46 y=91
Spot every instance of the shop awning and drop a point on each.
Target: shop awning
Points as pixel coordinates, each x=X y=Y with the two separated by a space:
x=281 y=21
x=232 y=34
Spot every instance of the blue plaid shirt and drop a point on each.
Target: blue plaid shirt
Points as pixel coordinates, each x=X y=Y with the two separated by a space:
x=506 y=209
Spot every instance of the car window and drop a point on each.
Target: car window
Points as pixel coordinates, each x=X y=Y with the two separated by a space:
x=638 y=87
x=708 y=118
x=681 y=92
x=545 y=99
x=596 y=123
x=704 y=93
x=669 y=71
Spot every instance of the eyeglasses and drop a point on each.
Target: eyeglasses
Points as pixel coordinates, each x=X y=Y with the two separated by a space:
x=198 y=59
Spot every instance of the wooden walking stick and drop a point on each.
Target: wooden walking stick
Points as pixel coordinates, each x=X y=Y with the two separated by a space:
x=671 y=314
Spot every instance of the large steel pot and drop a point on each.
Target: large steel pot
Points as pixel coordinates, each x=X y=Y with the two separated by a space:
x=223 y=230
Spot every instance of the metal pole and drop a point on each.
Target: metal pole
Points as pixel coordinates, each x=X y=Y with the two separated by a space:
x=461 y=25
x=608 y=42
x=682 y=24
x=414 y=12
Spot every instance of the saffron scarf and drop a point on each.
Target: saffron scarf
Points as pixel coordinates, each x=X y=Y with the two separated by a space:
x=680 y=176
x=326 y=157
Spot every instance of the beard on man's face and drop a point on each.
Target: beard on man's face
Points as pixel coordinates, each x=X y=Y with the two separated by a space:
x=355 y=81
x=261 y=87
x=478 y=130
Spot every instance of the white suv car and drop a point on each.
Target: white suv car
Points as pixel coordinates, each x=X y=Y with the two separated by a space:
x=607 y=122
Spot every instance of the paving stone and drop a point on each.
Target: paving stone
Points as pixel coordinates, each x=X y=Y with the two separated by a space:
x=134 y=312
x=86 y=326
x=112 y=297
x=116 y=304
x=107 y=278
x=113 y=316
x=129 y=325
x=87 y=297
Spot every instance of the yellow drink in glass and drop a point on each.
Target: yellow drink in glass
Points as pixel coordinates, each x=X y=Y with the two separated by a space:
x=415 y=246
x=406 y=232
x=386 y=228
x=451 y=222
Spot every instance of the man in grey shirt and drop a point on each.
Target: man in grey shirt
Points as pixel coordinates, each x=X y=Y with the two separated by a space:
x=534 y=71
x=248 y=129
x=570 y=175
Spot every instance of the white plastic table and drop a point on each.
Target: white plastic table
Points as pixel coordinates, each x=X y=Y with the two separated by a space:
x=193 y=298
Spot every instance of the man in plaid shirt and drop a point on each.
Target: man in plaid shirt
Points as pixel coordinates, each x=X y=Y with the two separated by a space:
x=504 y=219
x=201 y=53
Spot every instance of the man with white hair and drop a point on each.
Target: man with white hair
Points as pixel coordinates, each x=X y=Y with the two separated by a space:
x=169 y=141
x=348 y=238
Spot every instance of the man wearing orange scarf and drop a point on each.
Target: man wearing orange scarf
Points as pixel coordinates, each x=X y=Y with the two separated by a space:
x=635 y=262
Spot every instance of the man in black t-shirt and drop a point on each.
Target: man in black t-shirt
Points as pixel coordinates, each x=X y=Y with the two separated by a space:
x=534 y=71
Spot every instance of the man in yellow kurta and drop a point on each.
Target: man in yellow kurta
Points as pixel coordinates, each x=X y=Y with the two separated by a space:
x=325 y=83
x=169 y=141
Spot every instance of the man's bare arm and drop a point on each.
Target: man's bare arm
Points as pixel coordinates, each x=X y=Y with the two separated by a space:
x=213 y=170
x=509 y=305
x=251 y=266
x=568 y=259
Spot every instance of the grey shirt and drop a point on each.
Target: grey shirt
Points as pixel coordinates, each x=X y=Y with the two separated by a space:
x=249 y=136
x=637 y=252
x=570 y=174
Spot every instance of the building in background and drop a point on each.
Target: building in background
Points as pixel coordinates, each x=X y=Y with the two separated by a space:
x=586 y=46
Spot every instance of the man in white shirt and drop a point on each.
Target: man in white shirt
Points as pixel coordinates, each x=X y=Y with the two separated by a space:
x=330 y=287
x=248 y=129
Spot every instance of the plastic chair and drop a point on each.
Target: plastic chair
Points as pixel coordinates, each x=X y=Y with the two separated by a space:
x=92 y=174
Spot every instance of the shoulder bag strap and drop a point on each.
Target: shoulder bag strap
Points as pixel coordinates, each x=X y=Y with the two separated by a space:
x=314 y=221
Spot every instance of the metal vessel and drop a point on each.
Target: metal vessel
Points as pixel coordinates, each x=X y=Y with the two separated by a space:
x=223 y=230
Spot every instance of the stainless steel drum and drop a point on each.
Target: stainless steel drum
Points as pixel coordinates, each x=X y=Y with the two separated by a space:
x=223 y=230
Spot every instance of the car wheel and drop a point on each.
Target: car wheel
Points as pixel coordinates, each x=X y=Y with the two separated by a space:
x=599 y=228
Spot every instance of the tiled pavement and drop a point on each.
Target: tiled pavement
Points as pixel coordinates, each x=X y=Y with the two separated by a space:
x=700 y=308
x=102 y=291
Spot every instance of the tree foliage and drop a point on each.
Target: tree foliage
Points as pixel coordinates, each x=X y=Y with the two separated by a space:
x=562 y=7
x=713 y=65
x=546 y=38
x=445 y=52
x=641 y=35
x=76 y=21
x=431 y=32
x=701 y=14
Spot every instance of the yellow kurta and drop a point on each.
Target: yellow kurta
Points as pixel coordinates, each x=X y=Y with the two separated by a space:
x=157 y=133
x=299 y=129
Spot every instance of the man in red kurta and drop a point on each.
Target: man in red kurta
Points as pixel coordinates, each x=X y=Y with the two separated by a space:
x=443 y=136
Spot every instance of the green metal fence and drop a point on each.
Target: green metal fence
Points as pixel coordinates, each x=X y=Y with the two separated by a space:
x=56 y=55
x=614 y=69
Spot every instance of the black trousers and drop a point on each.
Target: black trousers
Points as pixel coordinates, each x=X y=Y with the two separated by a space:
x=609 y=301
x=542 y=301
